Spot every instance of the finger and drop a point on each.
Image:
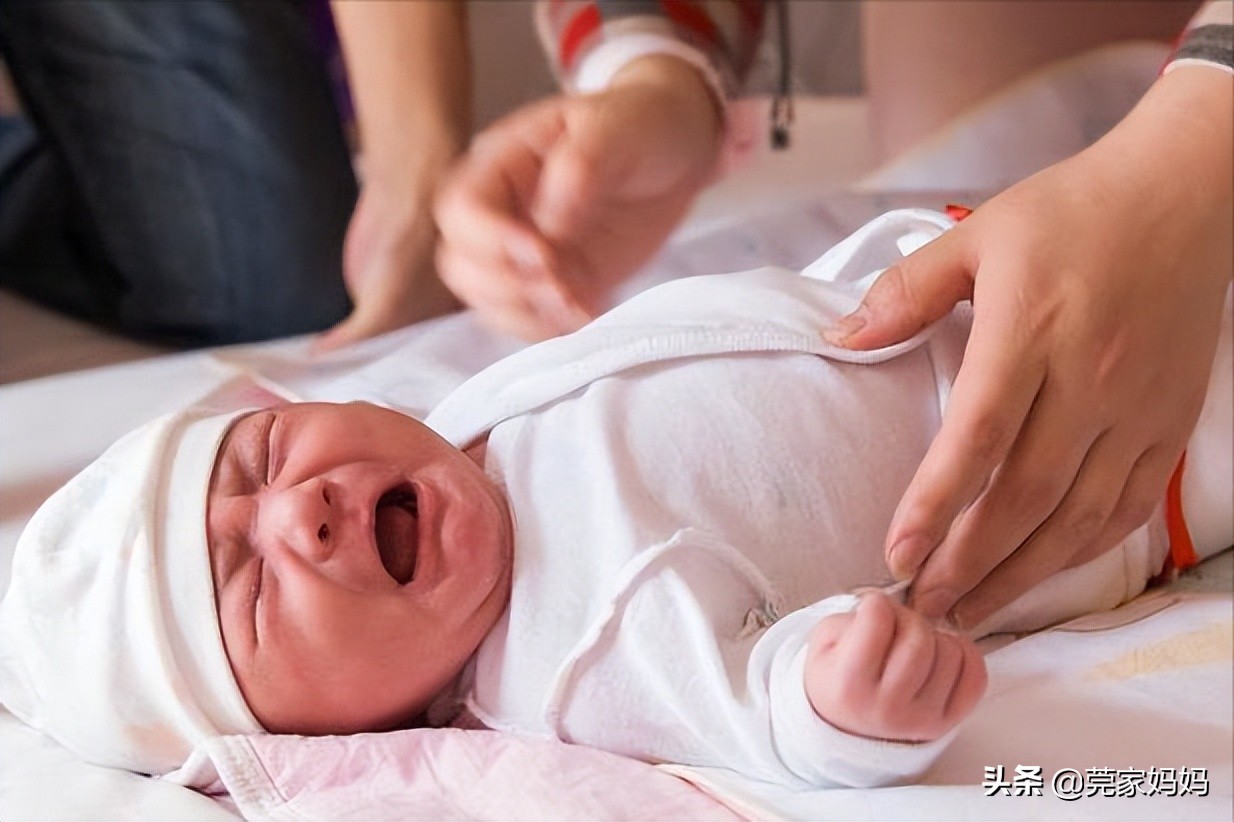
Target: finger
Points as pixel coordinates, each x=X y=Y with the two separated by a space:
x=911 y=657
x=534 y=127
x=486 y=214
x=492 y=291
x=344 y=333
x=1142 y=493
x=1025 y=491
x=396 y=290
x=486 y=206
x=826 y=635
x=471 y=270
x=374 y=312
x=365 y=321
x=492 y=283
x=377 y=314
x=909 y=295
x=971 y=682
x=1078 y=520
x=574 y=171
x=862 y=651
x=948 y=663
x=485 y=224
x=529 y=310
x=992 y=395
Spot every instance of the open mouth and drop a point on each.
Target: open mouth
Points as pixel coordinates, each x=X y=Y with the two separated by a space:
x=397 y=527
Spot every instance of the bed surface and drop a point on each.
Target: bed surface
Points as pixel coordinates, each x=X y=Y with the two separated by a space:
x=93 y=407
x=1157 y=708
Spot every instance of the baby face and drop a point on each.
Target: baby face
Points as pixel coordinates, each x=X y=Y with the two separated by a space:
x=358 y=561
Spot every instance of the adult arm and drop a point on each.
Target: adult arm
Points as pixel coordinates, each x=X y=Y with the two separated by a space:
x=1097 y=287
x=408 y=65
x=559 y=203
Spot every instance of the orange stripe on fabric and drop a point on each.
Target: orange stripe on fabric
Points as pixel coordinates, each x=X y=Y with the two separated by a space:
x=957 y=212
x=1182 y=550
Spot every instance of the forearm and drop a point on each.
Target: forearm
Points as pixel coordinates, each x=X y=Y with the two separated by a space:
x=684 y=84
x=409 y=67
x=1176 y=149
x=1180 y=138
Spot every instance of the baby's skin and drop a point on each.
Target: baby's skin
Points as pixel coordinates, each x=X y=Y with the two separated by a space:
x=359 y=560
x=884 y=671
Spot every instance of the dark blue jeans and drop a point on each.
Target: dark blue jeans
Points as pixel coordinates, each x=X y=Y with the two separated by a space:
x=182 y=176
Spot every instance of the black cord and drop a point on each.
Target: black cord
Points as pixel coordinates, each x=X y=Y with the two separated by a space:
x=782 y=100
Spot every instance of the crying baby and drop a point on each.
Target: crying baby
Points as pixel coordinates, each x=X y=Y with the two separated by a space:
x=641 y=537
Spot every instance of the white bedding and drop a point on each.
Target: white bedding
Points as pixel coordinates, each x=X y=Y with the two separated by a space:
x=52 y=427
x=1157 y=709
x=1164 y=713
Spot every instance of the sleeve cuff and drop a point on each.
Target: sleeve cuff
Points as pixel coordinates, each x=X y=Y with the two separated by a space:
x=600 y=65
x=822 y=754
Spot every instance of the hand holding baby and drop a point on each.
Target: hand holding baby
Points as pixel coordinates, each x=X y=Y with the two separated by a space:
x=883 y=671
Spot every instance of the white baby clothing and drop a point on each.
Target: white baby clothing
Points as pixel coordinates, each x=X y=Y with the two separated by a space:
x=696 y=479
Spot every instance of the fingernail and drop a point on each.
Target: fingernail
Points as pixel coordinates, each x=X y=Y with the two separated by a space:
x=905 y=556
x=934 y=602
x=846 y=327
x=967 y=614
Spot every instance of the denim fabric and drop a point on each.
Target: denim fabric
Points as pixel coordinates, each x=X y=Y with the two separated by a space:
x=183 y=175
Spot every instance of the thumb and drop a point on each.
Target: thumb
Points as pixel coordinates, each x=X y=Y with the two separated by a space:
x=909 y=296
x=576 y=176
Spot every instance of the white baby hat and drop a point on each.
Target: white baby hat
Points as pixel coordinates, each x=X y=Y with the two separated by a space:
x=109 y=639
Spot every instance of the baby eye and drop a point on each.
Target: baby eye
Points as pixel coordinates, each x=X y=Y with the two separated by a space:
x=259 y=573
x=255 y=598
x=269 y=448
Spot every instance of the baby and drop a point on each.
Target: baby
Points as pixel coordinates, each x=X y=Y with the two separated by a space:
x=639 y=537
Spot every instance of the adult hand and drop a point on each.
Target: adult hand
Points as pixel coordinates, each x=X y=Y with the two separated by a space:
x=560 y=202
x=1097 y=287
x=884 y=672
x=409 y=72
x=388 y=263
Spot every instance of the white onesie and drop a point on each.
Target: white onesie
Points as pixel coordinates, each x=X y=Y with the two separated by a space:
x=696 y=479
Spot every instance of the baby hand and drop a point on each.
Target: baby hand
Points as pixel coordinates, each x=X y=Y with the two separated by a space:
x=883 y=671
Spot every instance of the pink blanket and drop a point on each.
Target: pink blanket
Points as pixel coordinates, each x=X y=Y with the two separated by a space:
x=437 y=774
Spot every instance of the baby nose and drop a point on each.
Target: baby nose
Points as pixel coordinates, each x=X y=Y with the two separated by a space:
x=300 y=517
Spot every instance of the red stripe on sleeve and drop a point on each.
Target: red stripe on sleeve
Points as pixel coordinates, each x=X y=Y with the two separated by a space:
x=751 y=13
x=687 y=15
x=582 y=26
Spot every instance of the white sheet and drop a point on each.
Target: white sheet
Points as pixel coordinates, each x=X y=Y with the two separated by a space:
x=89 y=409
x=51 y=427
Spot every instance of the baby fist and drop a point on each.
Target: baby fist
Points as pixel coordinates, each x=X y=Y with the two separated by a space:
x=883 y=671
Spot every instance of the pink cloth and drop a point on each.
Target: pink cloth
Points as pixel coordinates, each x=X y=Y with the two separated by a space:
x=436 y=774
